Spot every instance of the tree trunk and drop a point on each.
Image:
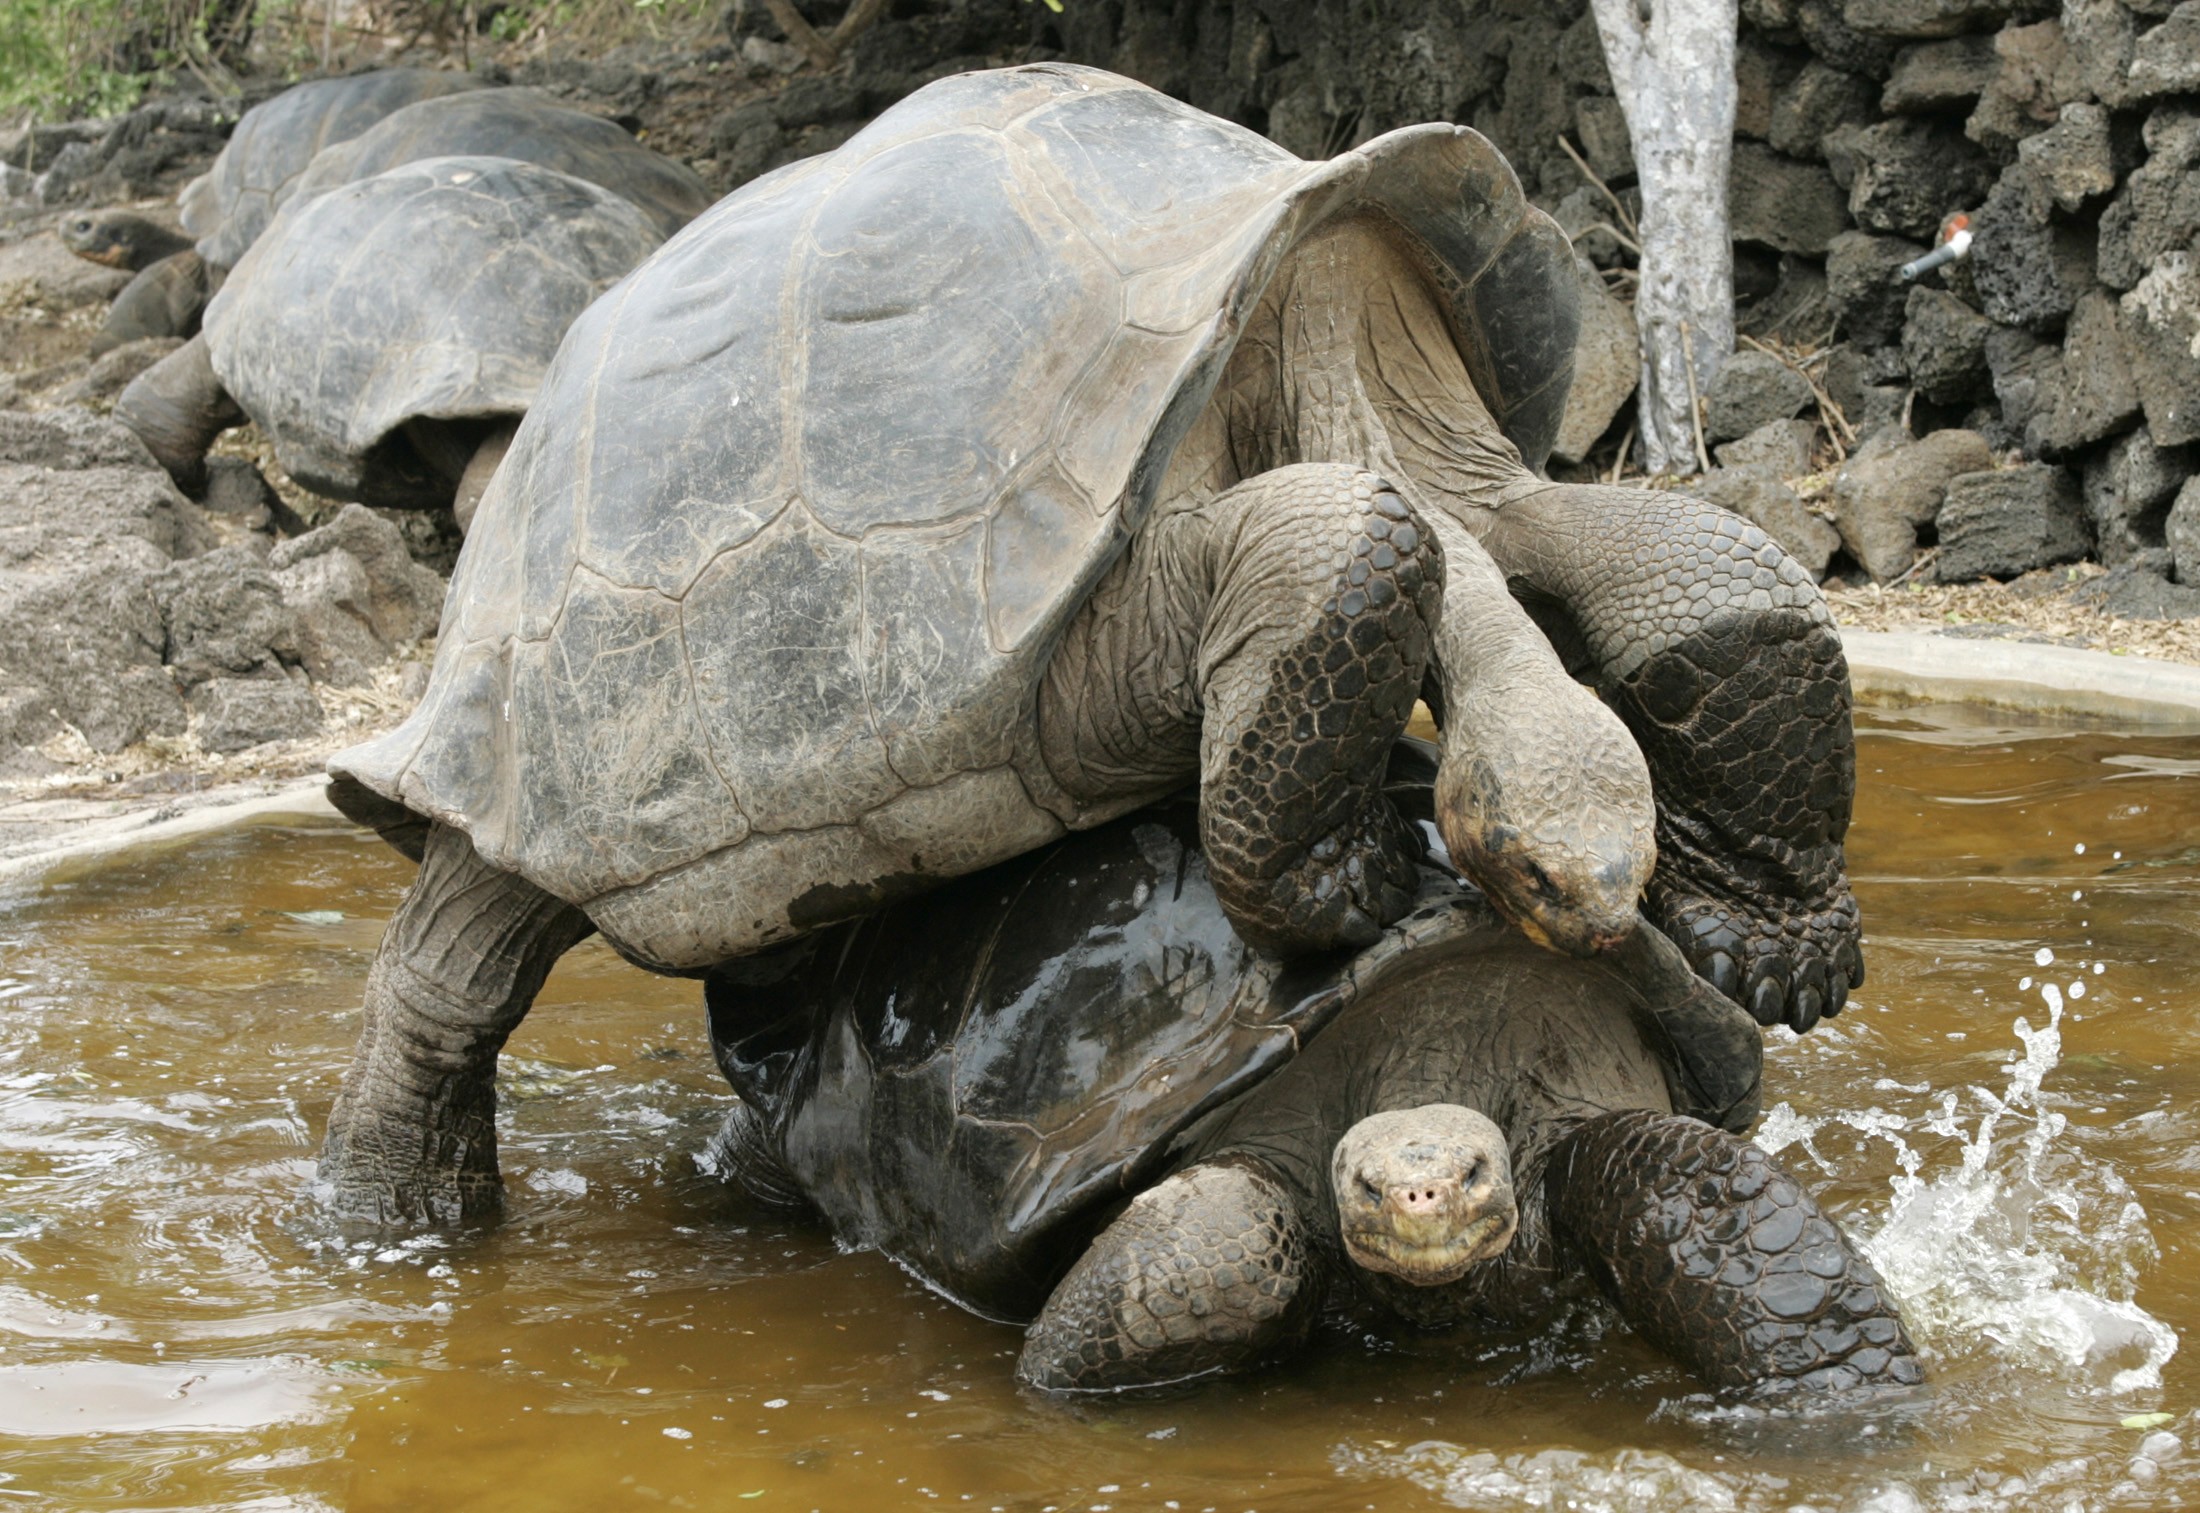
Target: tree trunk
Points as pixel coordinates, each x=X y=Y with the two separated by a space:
x=1672 y=66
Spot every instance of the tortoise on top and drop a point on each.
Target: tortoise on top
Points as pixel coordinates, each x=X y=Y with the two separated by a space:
x=382 y=386
x=229 y=205
x=1046 y=446
x=1452 y=1124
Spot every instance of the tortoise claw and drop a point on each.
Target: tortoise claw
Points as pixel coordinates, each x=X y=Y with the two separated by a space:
x=1837 y=992
x=1767 y=1001
x=1723 y=975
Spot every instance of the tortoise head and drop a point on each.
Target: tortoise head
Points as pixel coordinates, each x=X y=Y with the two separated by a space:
x=1559 y=835
x=1424 y=1193
x=106 y=239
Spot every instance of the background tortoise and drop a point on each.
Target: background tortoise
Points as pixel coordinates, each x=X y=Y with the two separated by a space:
x=521 y=124
x=1046 y=446
x=387 y=334
x=227 y=207
x=977 y=1081
x=169 y=293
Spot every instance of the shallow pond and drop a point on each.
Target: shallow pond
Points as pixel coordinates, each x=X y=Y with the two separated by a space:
x=177 y=1330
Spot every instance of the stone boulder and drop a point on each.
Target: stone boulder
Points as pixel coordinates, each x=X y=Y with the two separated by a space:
x=2006 y=522
x=2140 y=588
x=2158 y=207
x=233 y=714
x=2028 y=267
x=2098 y=396
x=1883 y=494
x=2128 y=488
x=1944 y=346
x=1753 y=389
x=1759 y=495
x=1930 y=18
x=356 y=594
x=2166 y=59
x=2181 y=532
x=1941 y=78
x=1911 y=174
x=2035 y=76
x=1783 y=447
x=1820 y=101
x=2027 y=376
x=1781 y=203
x=2101 y=36
x=1864 y=284
x=2074 y=157
x=2161 y=322
x=225 y=617
x=87 y=525
x=1828 y=34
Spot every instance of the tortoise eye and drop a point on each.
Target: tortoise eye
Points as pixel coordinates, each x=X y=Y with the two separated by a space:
x=1371 y=1192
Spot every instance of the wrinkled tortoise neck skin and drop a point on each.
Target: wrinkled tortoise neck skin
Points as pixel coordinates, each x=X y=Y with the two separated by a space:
x=1713 y=646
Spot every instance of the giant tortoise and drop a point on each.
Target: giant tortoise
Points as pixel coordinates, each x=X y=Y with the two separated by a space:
x=1049 y=444
x=229 y=205
x=387 y=334
x=516 y=123
x=168 y=294
x=1064 y=1089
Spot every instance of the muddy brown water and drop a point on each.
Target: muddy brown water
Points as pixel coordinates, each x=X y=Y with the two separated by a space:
x=179 y=1330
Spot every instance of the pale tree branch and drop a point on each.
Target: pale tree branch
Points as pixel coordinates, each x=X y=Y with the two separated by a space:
x=1672 y=67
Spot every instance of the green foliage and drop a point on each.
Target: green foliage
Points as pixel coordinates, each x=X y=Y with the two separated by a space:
x=64 y=57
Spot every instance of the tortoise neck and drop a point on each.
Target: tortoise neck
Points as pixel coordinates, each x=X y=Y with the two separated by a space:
x=1349 y=359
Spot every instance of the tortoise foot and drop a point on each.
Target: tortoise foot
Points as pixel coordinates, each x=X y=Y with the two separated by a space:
x=1715 y=1253
x=1209 y=1272
x=1347 y=889
x=412 y=1139
x=1787 y=956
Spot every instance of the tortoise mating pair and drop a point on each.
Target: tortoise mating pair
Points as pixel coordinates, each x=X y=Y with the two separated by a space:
x=1049 y=446
x=1064 y=1091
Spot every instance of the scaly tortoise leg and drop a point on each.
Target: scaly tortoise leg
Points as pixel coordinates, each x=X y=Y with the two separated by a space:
x=1208 y=1272
x=1717 y=650
x=1720 y=1258
x=177 y=407
x=1277 y=635
x=412 y=1138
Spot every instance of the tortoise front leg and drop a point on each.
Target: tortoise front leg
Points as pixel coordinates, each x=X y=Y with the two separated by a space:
x=177 y=407
x=1718 y=651
x=1276 y=635
x=1720 y=1258
x=412 y=1138
x=1209 y=1272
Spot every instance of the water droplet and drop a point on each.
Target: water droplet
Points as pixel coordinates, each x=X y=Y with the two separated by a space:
x=777 y=1402
x=679 y=1434
x=2081 y=848
x=2043 y=957
x=2077 y=989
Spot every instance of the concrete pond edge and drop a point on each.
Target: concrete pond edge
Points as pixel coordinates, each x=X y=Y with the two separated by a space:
x=1895 y=669
x=93 y=842
x=1888 y=669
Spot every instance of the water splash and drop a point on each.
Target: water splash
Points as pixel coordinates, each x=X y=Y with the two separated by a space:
x=1625 y=1481
x=2028 y=1246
